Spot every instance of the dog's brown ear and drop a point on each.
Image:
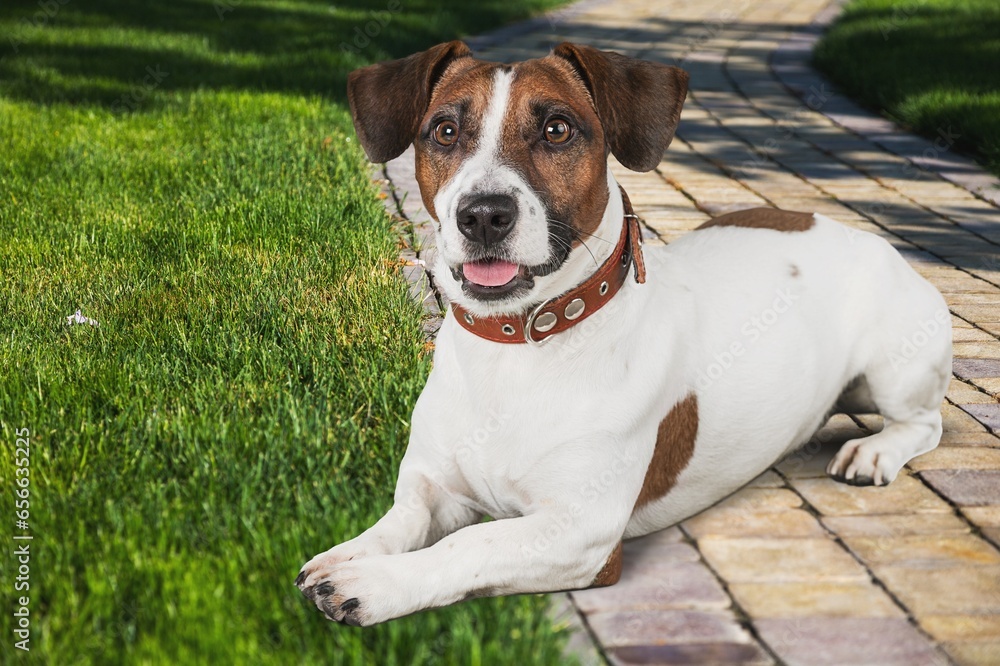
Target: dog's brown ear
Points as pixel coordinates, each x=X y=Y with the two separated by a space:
x=639 y=102
x=389 y=99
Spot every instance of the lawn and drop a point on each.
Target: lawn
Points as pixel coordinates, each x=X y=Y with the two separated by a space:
x=930 y=65
x=185 y=174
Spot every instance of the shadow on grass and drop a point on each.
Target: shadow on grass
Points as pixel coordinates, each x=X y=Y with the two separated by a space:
x=125 y=56
x=94 y=52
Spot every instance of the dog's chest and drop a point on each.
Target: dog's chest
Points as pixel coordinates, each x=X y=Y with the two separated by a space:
x=503 y=452
x=510 y=424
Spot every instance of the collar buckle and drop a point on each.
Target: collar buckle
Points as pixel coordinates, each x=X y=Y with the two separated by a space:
x=529 y=325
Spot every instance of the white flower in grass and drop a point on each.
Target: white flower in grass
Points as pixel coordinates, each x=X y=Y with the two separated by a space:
x=78 y=318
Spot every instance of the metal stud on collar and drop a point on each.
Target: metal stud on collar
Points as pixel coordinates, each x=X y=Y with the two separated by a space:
x=545 y=322
x=507 y=329
x=574 y=309
x=468 y=319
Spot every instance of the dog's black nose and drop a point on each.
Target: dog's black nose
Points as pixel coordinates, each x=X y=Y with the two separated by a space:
x=488 y=218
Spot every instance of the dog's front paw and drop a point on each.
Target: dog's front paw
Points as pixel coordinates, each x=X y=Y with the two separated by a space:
x=865 y=463
x=336 y=605
x=345 y=552
x=353 y=592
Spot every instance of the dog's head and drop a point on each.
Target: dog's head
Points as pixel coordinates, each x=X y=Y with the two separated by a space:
x=512 y=159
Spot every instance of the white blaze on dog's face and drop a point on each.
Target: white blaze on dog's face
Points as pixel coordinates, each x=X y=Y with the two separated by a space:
x=512 y=159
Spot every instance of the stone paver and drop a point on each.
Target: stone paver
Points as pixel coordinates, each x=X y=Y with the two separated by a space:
x=620 y=628
x=826 y=641
x=958 y=458
x=904 y=495
x=956 y=419
x=965 y=439
x=717 y=654
x=973 y=590
x=974 y=653
x=795 y=568
x=976 y=368
x=966 y=487
x=779 y=560
x=923 y=551
x=986 y=412
x=813 y=599
x=961 y=628
x=730 y=523
x=889 y=525
x=657 y=576
x=984 y=516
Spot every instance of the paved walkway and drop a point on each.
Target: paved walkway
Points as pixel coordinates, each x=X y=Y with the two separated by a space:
x=796 y=568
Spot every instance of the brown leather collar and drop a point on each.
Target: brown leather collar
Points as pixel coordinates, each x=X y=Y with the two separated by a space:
x=557 y=315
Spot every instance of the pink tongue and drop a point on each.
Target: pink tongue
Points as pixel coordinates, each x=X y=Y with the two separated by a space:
x=489 y=273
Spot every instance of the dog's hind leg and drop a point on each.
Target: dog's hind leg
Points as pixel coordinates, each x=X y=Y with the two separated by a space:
x=908 y=393
x=856 y=398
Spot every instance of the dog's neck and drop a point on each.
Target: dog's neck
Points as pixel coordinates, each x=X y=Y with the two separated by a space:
x=592 y=252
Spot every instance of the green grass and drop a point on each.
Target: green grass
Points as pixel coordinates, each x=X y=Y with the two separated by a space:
x=927 y=64
x=245 y=401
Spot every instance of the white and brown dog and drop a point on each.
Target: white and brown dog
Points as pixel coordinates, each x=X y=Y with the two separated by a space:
x=574 y=399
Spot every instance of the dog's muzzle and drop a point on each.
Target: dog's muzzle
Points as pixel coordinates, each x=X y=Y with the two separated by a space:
x=558 y=314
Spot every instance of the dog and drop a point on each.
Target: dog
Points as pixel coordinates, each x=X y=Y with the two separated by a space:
x=585 y=390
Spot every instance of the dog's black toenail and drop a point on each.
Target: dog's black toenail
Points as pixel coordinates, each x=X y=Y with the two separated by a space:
x=329 y=608
x=349 y=605
x=324 y=589
x=301 y=578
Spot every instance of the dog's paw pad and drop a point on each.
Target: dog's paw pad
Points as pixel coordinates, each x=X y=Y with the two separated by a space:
x=334 y=606
x=329 y=607
x=344 y=592
x=349 y=612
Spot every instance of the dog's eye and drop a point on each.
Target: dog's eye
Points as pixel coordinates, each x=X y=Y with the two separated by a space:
x=446 y=133
x=557 y=131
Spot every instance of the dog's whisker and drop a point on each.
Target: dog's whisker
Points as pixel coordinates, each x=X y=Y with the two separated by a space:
x=562 y=242
x=578 y=232
x=569 y=246
x=578 y=235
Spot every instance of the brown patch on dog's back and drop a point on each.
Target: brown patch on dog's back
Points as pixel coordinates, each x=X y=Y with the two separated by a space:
x=674 y=448
x=763 y=218
x=612 y=570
